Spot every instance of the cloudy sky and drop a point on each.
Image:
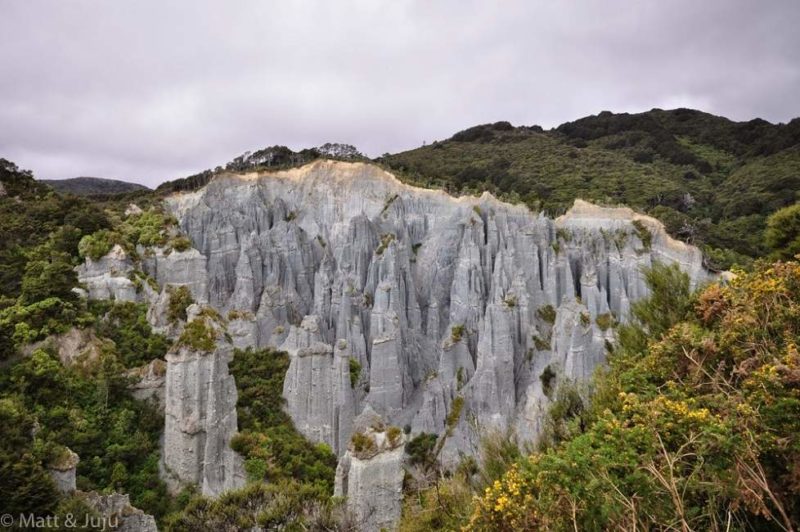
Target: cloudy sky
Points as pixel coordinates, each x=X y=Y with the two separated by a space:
x=149 y=90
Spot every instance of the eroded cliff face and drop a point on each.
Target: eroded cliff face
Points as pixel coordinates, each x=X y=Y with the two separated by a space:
x=446 y=315
x=435 y=297
x=200 y=414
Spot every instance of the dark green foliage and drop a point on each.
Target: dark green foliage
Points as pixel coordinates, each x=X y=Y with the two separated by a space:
x=267 y=432
x=355 y=371
x=35 y=221
x=547 y=377
x=421 y=449
x=179 y=298
x=26 y=485
x=547 y=313
x=48 y=275
x=93 y=186
x=456 y=333
x=126 y=324
x=91 y=412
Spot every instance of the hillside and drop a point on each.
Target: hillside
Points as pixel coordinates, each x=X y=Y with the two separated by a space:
x=712 y=181
x=92 y=186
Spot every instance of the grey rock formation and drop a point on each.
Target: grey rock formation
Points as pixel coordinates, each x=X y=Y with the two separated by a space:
x=200 y=416
x=318 y=372
x=371 y=479
x=336 y=261
x=63 y=472
x=117 y=513
x=107 y=278
x=149 y=382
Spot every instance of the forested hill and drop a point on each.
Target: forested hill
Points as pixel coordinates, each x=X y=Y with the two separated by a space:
x=91 y=186
x=712 y=181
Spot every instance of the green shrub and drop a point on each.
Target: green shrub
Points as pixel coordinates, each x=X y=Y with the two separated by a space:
x=456 y=333
x=547 y=313
x=355 y=371
x=605 y=321
x=180 y=297
x=126 y=324
x=386 y=239
x=421 y=448
x=547 y=377
x=455 y=412
x=540 y=343
x=363 y=444
x=393 y=434
x=782 y=236
x=643 y=233
x=180 y=243
x=199 y=335
x=97 y=245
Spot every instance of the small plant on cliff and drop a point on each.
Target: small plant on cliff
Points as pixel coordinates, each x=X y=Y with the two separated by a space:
x=355 y=372
x=421 y=449
x=547 y=377
x=386 y=239
x=179 y=298
x=393 y=434
x=363 y=444
x=605 y=321
x=455 y=413
x=456 y=333
x=540 y=343
x=198 y=335
x=643 y=233
x=547 y=313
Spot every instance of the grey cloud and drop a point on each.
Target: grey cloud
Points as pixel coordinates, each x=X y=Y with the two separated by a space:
x=148 y=91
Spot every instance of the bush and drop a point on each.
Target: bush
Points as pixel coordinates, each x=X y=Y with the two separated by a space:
x=199 y=335
x=97 y=245
x=421 y=449
x=547 y=313
x=355 y=371
x=180 y=297
x=605 y=321
x=643 y=233
x=547 y=377
x=456 y=333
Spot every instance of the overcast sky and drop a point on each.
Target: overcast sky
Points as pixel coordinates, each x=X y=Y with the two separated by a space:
x=153 y=90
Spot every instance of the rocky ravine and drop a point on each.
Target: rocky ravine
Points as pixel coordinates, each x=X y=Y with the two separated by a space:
x=444 y=302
